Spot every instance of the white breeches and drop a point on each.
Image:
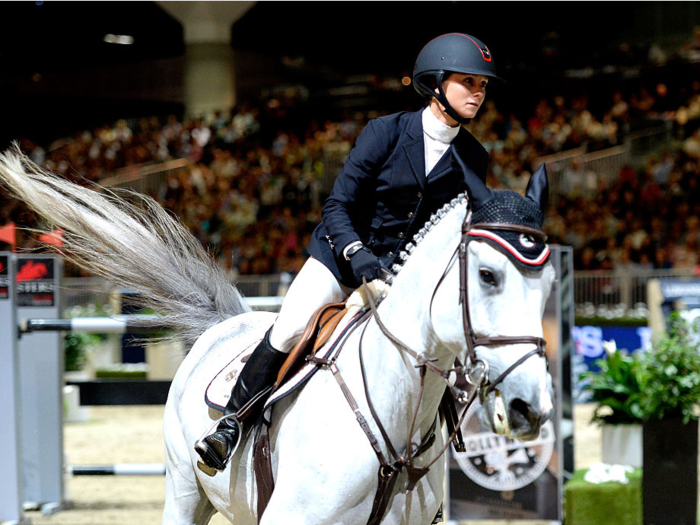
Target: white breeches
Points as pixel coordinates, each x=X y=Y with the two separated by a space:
x=313 y=287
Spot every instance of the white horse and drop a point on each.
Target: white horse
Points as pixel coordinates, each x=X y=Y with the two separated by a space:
x=325 y=470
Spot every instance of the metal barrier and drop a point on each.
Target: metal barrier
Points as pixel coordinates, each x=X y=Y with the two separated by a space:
x=618 y=290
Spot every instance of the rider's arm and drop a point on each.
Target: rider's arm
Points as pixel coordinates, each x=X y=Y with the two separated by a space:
x=352 y=193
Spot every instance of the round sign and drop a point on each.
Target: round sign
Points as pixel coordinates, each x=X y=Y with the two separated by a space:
x=499 y=462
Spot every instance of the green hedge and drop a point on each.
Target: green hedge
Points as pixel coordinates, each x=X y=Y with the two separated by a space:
x=608 y=503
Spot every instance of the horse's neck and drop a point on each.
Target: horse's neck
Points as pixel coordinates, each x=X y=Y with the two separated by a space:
x=406 y=314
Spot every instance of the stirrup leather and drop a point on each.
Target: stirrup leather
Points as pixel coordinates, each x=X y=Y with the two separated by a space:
x=210 y=458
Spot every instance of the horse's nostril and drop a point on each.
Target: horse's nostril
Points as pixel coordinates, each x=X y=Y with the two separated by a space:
x=520 y=412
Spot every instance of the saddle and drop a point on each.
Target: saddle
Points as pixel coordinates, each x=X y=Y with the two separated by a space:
x=317 y=333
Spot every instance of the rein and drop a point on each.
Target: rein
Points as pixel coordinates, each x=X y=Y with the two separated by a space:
x=477 y=375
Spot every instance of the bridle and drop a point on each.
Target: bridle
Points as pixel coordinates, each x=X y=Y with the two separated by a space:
x=476 y=372
x=472 y=340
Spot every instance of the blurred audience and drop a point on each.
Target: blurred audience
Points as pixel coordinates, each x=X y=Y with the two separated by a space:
x=253 y=187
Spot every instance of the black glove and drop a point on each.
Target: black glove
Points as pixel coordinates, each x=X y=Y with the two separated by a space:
x=365 y=264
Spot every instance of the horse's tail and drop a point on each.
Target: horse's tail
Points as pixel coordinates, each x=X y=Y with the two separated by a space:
x=130 y=240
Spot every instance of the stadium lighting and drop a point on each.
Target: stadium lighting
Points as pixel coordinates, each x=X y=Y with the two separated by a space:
x=125 y=40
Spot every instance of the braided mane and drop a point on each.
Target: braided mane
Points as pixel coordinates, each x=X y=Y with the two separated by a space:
x=435 y=218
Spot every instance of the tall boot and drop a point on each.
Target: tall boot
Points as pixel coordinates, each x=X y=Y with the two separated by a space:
x=258 y=374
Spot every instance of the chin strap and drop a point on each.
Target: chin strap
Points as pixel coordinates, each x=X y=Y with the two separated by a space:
x=442 y=99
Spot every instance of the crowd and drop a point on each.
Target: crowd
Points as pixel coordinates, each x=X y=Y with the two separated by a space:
x=254 y=186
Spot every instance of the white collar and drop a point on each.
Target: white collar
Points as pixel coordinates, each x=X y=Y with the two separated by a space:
x=437 y=130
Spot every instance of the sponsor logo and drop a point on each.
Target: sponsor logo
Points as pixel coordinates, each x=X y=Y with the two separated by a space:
x=35 y=282
x=528 y=241
x=32 y=271
x=498 y=462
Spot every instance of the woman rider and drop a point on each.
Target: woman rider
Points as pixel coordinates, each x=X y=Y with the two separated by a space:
x=402 y=169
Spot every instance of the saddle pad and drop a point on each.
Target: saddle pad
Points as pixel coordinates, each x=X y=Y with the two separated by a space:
x=309 y=369
x=219 y=390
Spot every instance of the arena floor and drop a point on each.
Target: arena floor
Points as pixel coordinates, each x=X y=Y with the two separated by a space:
x=134 y=435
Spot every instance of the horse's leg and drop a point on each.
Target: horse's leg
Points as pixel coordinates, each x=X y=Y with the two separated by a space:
x=185 y=500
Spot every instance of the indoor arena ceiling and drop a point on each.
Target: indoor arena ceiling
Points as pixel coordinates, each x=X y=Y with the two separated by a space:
x=356 y=36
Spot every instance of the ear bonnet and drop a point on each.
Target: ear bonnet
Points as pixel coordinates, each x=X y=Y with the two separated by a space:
x=505 y=207
x=509 y=207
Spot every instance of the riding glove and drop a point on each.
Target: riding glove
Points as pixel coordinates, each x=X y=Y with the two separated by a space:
x=365 y=264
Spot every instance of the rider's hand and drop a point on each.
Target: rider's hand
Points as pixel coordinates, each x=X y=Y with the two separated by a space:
x=365 y=264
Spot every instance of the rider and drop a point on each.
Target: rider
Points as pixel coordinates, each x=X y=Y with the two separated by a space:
x=401 y=170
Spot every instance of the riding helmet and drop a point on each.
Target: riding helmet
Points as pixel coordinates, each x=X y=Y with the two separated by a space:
x=451 y=53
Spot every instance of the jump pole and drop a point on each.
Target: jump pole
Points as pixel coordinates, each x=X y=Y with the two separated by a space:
x=122 y=324
x=118 y=469
x=118 y=324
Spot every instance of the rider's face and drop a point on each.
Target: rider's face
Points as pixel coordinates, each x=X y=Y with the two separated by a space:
x=465 y=93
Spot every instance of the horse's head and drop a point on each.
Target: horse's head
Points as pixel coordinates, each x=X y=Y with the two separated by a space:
x=505 y=279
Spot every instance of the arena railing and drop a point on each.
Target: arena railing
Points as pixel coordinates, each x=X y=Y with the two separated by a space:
x=96 y=293
x=145 y=178
x=596 y=293
x=607 y=163
x=619 y=293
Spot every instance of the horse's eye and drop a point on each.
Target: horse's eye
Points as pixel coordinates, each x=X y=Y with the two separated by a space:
x=487 y=277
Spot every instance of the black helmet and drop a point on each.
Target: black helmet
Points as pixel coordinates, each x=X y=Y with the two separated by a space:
x=451 y=53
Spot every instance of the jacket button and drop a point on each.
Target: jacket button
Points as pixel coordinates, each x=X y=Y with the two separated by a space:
x=410 y=215
x=401 y=235
x=390 y=255
x=420 y=195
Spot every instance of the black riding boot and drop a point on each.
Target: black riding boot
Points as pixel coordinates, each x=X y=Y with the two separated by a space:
x=258 y=374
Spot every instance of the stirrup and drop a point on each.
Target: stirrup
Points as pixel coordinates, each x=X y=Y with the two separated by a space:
x=203 y=448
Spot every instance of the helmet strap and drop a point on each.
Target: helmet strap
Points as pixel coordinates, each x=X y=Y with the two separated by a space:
x=442 y=98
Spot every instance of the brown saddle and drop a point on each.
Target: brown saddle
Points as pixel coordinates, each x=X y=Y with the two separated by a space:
x=317 y=333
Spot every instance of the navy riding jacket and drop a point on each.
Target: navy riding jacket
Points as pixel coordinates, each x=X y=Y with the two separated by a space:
x=382 y=196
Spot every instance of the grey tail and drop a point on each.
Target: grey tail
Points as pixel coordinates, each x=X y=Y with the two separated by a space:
x=130 y=240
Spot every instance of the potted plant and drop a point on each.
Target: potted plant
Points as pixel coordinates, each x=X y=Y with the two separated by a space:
x=616 y=387
x=669 y=399
x=76 y=346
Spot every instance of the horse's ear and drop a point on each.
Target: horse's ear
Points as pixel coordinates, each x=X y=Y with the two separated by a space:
x=538 y=188
x=478 y=192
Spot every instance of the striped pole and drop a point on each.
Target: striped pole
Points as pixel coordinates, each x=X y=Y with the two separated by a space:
x=118 y=469
x=122 y=324
x=118 y=324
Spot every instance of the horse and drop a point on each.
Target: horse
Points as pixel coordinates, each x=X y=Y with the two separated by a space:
x=462 y=292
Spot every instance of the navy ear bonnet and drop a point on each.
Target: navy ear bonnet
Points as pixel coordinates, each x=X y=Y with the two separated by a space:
x=510 y=207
